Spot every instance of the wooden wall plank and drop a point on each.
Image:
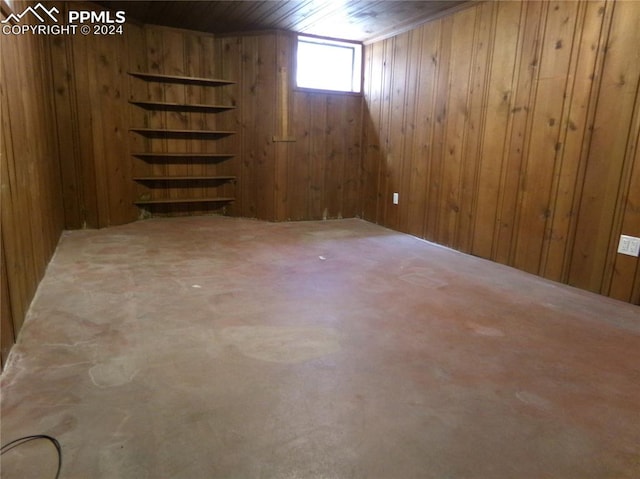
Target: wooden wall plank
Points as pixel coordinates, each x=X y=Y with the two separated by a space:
x=428 y=55
x=334 y=156
x=17 y=258
x=95 y=67
x=112 y=64
x=83 y=136
x=283 y=122
x=248 y=100
x=31 y=197
x=299 y=172
x=229 y=59
x=383 y=129
x=395 y=128
x=351 y=125
x=410 y=129
x=7 y=333
x=265 y=83
x=456 y=127
x=484 y=35
x=64 y=97
x=372 y=147
x=440 y=113
x=318 y=153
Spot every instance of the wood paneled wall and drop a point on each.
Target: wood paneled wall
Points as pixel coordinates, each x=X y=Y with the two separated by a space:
x=510 y=131
x=91 y=86
x=309 y=171
x=297 y=154
x=31 y=197
x=300 y=151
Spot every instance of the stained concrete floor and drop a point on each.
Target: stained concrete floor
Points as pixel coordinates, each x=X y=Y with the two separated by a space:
x=213 y=347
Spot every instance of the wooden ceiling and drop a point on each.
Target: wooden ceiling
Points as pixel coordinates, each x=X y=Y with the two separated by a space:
x=346 y=19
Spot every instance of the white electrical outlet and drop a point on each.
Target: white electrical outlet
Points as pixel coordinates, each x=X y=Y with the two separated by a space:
x=629 y=245
x=395 y=198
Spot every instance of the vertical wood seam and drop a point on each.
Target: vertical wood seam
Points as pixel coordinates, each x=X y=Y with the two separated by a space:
x=360 y=180
x=403 y=151
x=380 y=128
x=455 y=239
x=387 y=139
x=434 y=220
x=420 y=54
x=440 y=201
x=431 y=135
x=77 y=160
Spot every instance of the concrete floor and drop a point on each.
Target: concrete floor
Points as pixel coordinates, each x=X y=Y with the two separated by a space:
x=214 y=347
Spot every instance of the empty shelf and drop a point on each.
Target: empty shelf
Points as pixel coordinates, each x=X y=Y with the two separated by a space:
x=183 y=200
x=204 y=156
x=180 y=79
x=163 y=105
x=160 y=132
x=184 y=178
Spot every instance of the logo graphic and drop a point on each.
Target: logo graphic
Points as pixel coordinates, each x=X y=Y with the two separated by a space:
x=40 y=20
x=34 y=11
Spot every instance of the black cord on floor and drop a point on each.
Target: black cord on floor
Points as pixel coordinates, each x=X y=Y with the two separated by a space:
x=20 y=441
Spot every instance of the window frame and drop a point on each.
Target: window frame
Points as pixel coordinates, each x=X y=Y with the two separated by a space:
x=337 y=42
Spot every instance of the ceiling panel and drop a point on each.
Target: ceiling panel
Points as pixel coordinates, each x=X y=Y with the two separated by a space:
x=346 y=19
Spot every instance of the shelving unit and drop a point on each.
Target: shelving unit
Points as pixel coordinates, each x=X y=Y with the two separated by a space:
x=168 y=179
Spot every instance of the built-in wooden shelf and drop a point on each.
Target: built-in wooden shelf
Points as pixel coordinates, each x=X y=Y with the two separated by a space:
x=184 y=183
x=163 y=105
x=184 y=178
x=166 y=201
x=195 y=156
x=160 y=132
x=181 y=79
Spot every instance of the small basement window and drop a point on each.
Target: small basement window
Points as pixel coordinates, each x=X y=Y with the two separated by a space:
x=324 y=64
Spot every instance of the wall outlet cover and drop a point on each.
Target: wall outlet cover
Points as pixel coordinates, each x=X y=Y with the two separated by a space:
x=629 y=245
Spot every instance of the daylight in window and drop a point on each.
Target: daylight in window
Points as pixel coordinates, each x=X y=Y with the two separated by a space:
x=329 y=64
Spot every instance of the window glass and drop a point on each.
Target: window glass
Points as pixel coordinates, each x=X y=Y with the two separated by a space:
x=328 y=64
